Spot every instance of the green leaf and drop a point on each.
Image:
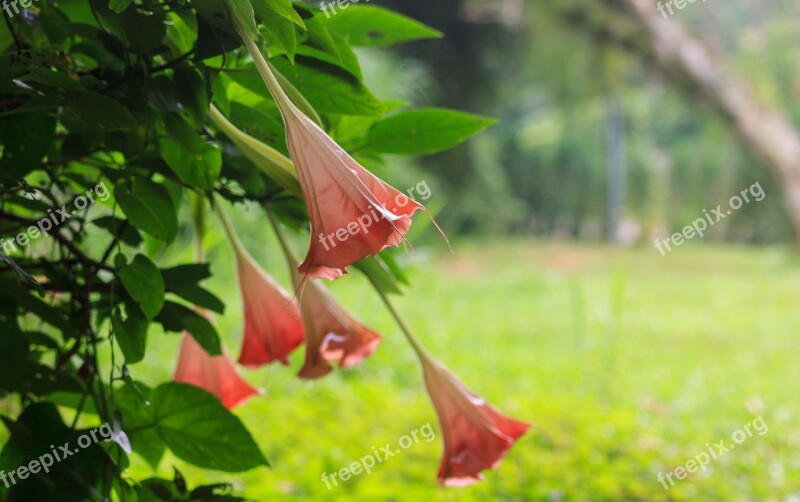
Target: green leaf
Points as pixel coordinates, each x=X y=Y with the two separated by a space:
x=194 y=425
x=196 y=162
x=143 y=281
x=199 y=296
x=278 y=29
x=329 y=89
x=130 y=334
x=98 y=111
x=148 y=207
x=369 y=26
x=119 y=227
x=243 y=11
x=119 y=5
x=192 y=93
x=423 y=131
x=186 y=274
x=26 y=139
x=284 y=8
x=145 y=33
x=379 y=274
x=177 y=318
x=330 y=47
x=183 y=281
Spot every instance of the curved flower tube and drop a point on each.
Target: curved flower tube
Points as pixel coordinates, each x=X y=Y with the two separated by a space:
x=273 y=325
x=353 y=213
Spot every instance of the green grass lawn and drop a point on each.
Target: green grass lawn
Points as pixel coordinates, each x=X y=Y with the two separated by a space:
x=629 y=364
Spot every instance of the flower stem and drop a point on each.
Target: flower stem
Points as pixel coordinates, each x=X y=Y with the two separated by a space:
x=199 y=207
x=287 y=251
x=226 y=224
x=273 y=80
x=415 y=344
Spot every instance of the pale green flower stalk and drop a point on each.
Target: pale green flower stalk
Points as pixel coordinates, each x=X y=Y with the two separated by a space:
x=269 y=160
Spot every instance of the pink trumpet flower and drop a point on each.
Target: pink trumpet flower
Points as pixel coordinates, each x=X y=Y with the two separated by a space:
x=353 y=213
x=273 y=327
x=215 y=374
x=476 y=436
x=332 y=335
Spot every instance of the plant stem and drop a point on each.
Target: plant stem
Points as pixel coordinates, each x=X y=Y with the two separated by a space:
x=415 y=344
x=226 y=224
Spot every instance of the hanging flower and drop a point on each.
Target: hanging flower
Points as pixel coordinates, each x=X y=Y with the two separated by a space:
x=332 y=335
x=273 y=328
x=476 y=436
x=353 y=213
x=215 y=374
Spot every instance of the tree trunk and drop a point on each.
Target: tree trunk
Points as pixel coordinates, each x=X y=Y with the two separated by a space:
x=765 y=131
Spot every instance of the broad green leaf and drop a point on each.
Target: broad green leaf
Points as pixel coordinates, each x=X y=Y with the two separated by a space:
x=192 y=94
x=278 y=29
x=186 y=274
x=130 y=334
x=368 y=26
x=177 y=318
x=329 y=89
x=148 y=207
x=197 y=428
x=199 y=297
x=98 y=111
x=423 y=131
x=145 y=33
x=143 y=281
x=284 y=8
x=26 y=139
x=119 y=227
x=330 y=47
x=196 y=162
x=183 y=281
x=12 y=294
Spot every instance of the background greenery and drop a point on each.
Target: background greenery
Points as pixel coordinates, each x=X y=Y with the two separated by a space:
x=628 y=363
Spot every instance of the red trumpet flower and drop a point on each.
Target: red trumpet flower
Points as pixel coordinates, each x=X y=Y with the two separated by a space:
x=332 y=335
x=353 y=213
x=273 y=326
x=476 y=436
x=215 y=374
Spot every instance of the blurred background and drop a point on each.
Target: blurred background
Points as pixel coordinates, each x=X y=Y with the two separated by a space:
x=619 y=122
x=555 y=305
